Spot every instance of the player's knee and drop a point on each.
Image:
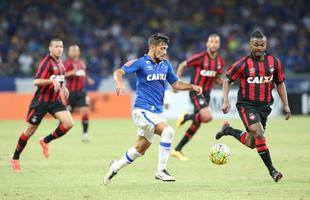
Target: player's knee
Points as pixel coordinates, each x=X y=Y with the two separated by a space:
x=68 y=125
x=168 y=134
x=251 y=145
x=141 y=148
x=205 y=117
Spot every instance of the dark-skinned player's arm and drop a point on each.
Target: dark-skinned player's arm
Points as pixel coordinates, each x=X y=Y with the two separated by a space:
x=118 y=77
x=180 y=85
x=181 y=68
x=218 y=79
x=281 y=88
x=70 y=73
x=226 y=88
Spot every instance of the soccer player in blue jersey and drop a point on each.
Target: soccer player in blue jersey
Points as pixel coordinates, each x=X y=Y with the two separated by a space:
x=152 y=70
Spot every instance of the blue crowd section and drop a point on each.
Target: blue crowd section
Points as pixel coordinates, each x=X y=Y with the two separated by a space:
x=111 y=32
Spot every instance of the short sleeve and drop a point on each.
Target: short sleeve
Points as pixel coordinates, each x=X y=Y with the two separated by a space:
x=43 y=69
x=235 y=70
x=171 y=76
x=68 y=65
x=131 y=66
x=279 y=74
x=194 y=61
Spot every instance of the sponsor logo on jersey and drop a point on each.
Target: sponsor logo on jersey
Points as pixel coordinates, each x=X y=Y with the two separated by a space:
x=208 y=73
x=60 y=78
x=155 y=77
x=260 y=79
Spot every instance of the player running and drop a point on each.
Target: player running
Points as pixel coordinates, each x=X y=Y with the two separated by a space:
x=76 y=80
x=258 y=72
x=208 y=67
x=151 y=70
x=49 y=80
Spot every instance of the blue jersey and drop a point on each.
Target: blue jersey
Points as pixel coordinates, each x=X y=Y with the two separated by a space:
x=151 y=77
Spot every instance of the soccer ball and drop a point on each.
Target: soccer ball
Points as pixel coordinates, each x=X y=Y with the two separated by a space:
x=219 y=154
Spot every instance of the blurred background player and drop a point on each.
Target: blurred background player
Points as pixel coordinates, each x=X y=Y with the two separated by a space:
x=152 y=71
x=49 y=79
x=76 y=78
x=258 y=72
x=208 y=67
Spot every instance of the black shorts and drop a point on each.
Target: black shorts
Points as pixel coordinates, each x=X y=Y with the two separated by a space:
x=199 y=101
x=251 y=113
x=77 y=99
x=37 y=110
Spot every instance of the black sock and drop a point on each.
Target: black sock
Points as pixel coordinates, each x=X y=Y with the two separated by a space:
x=60 y=131
x=22 y=142
x=236 y=133
x=263 y=152
x=85 y=123
x=189 y=117
x=187 y=136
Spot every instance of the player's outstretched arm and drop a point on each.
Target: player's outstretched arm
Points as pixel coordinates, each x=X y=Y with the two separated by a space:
x=219 y=80
x=281 y=88
x=181 y=69
x=70 y=73
x=118 y=77
x=180 y=85
x=226 y=89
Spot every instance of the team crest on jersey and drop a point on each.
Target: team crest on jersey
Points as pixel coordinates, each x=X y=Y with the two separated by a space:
x=148 y=62
x=252 y=116
x=148 y=67
x=252 y=71
x=271 y=68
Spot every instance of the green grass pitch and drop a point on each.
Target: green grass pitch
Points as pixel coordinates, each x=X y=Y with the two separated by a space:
x=74 y=170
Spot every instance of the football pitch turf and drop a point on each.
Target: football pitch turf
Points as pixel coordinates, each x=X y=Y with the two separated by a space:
x=74 y=170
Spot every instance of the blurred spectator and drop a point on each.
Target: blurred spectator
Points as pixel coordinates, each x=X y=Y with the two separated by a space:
x=110 y=32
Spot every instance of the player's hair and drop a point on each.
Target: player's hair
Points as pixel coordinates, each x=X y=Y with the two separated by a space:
x=157 y=39
x=213 y=35
x=73 y=45
x=54 y=40
x=257 y=34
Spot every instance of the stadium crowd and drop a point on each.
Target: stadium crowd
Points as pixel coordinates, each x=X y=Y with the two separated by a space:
x=110 y=32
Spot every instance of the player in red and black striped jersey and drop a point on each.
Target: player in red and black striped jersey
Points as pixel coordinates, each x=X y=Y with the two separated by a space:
x=49 y=81
x=207 y=69
x=258 y=73
x=76 y=80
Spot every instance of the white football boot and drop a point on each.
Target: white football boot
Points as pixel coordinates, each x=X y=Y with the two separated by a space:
x=163 y=175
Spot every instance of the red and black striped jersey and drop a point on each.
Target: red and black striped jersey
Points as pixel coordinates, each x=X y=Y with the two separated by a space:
x=257 y=78
x=78 y=81
x=49 y=68
x=205 y=69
